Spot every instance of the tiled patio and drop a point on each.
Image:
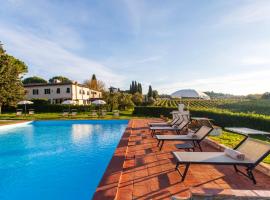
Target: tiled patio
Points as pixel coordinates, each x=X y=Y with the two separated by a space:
x=139 y=170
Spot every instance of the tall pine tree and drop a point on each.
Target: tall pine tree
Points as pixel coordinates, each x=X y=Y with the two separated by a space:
x=140 y=88
x=150 y=92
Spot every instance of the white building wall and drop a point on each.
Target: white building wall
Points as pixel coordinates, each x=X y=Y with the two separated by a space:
x=77 y=92
x=53 y=92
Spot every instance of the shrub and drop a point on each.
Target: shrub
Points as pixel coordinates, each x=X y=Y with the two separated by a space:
x=221 y=118
x=50 y=108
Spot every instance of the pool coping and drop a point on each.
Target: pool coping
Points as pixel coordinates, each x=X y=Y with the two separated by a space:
x=16 y=124
x=108 y=185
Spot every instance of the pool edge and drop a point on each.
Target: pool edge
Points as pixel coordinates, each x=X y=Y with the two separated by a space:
x=108 y=185
x=17 y=124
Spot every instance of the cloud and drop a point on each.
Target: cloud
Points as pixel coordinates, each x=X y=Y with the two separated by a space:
x=149 y=59
x=241 y=83
x=252 y=12
x=134 y=9
x=256 y=61
x=45 y=57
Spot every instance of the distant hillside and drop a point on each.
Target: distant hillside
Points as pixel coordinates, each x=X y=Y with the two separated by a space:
x=217 y=95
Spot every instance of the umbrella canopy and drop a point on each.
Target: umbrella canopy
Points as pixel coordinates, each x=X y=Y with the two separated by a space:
x=69 y=102
x=99 y=102
x=24 y=102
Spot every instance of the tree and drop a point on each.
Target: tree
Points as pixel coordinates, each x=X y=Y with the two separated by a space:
x=155 y=94
x=135 y=87
x=11 y=87
x=150 y=92
x=140 y=88
x=151 y=101
x=95 y=84
x=125 y=101
x=137 y=98
x=132 y=91
x=111 y=100
x=1 y=48
x=34 y=79
x=266 y=95
x=63 y=79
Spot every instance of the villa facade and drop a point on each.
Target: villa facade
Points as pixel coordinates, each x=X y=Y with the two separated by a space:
x=56 y=93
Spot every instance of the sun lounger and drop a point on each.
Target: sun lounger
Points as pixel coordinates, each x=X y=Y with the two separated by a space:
x=172 y=123
x=196 y=138
x=65 y=113
x=31 y=111
x=176 y=128
x=103 y=113
x=116 y=113
x=254 y=150
x=73 y=112
x=18 y=112
x=93 y=113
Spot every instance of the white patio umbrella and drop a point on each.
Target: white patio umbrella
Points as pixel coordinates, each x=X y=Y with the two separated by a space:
x=99 y=103
x=25 y=102
x=69 y=102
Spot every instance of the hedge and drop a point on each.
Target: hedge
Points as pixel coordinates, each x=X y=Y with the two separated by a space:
x=50 y=108
x=221 y=118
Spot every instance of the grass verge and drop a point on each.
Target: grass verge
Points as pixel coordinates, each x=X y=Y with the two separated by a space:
x=231 y=140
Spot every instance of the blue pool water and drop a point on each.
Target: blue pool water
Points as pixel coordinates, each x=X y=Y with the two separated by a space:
x=56 y=159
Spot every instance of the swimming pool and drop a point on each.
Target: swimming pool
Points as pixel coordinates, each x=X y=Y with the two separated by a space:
x=56 y=159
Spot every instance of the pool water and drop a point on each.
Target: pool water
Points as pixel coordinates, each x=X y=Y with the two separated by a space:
x=56 y=159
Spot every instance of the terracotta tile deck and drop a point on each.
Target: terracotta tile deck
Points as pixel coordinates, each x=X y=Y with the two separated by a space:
x=139 y=170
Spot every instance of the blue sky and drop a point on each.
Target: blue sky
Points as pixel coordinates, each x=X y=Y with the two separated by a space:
x=219 y=45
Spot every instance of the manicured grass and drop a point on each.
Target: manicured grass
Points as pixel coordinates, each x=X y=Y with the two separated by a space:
x=48 y=116
x=6 y=122
x=231 y=140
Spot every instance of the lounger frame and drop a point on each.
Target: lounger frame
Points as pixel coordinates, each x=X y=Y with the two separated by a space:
x=195 y=141
x=176 y=129
x=249 y=166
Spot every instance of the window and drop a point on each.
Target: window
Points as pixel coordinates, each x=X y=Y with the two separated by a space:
x=87 y=92
x=58 y=90
x=83 y=92
x=80 y=91
x=47 y=91
x=35 y=91
x=68 y=90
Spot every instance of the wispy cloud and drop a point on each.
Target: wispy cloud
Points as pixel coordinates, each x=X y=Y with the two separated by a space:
x=241 y=83
x=46 y=57
x=253 y=60
x=249 y=12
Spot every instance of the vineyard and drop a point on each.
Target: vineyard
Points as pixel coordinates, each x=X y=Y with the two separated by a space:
x=235 y=105
x=194 y=103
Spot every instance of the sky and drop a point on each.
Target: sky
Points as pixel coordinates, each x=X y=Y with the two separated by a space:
x=210 y=45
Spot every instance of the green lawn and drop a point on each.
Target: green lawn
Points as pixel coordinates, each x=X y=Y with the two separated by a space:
x=48 y=116
x=231 y=140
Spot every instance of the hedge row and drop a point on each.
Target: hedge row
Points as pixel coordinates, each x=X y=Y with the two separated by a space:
x=50 y=108
x=221 y=118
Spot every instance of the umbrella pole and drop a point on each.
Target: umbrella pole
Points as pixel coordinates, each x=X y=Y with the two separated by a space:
x=25 y=109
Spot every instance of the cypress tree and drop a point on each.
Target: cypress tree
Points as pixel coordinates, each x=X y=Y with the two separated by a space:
x=140 y=88
x=150 y=91
x=135 y=87
x=132 y=87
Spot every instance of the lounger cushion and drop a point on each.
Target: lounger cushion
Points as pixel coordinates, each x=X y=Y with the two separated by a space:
x=174 y=137
x=207 y=158
x=162 y=128
x=191 y=134
x=234 y=154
